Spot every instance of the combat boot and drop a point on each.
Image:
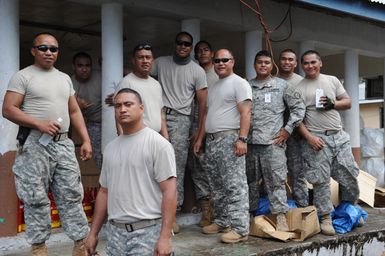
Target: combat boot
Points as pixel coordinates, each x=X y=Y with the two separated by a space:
x=175 y=228
x=282 y=222
x=327 y=225
x=233 y=237
x=207 y=213
x=215 y=228
x=79 y=248
x=39 y=249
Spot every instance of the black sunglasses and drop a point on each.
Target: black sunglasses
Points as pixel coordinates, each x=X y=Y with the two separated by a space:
x=184 y=43
x=224 y=60
x=142 y=46
x=44 y=48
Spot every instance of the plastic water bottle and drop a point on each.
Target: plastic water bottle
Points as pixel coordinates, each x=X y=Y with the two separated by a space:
x=45 y=137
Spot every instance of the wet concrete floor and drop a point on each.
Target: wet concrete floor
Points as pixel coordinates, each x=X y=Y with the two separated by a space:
x=191 y=241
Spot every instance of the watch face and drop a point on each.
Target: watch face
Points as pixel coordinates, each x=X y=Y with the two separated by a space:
x=243 y=139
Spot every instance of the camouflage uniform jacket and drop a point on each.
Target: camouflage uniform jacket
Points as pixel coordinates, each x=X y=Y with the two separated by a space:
x=271 y=98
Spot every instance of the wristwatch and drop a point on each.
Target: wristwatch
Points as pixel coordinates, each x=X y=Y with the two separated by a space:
x=244 y=139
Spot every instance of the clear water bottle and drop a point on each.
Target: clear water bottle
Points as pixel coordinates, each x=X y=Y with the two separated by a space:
x=45 y=137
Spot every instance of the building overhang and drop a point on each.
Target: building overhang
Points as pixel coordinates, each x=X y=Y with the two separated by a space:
x=366 y=9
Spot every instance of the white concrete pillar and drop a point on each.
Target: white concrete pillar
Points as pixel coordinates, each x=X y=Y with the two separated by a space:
x=303 y=47
x=9 y=65
x=383 y=104
x=112 y=63
x=352 y=116
x=253 y=44
x=192 y=26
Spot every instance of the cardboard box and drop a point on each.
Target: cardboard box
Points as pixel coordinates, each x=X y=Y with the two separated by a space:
x=8 y=200
x=334 y=192
x=303 y=223
x=90 y=181
x=87 y=168
x=379 y=197
x=367 y=185
x=262 y=226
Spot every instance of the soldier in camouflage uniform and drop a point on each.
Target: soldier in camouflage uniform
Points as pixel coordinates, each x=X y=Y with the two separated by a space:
x=269 y=134
x=138 y=186
x=46 y=94
x=204 y=54
x=182 y=79
x=326 y=151
x=227 y=126
x=287 y=64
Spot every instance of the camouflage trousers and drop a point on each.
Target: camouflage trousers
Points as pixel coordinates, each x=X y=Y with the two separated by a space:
x=95 y=132
x=138 y=242
x=198 y=175
x=296 y=172
x=334 y=160
x=268 y=162
x=178 y=127
x=227 y=179
x=40 y=168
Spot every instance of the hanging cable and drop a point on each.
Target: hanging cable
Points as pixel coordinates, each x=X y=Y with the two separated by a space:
x=266 y=30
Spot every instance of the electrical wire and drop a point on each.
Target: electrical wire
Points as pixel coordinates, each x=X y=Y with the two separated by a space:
x=268 y=31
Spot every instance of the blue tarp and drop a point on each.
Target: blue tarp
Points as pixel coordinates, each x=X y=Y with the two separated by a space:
x=264 y=206
x=347 y=216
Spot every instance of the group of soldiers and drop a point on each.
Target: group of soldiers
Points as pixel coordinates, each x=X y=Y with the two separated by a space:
x=256 y=133
x=239 y=138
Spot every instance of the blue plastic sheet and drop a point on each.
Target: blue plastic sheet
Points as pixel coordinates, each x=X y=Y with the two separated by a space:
x=347 y=216
x=264 y=206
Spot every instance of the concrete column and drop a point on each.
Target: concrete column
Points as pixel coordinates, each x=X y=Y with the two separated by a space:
x=9 y=65
x=383 y=104
x=112 y=63
x=303 y=47
x=253 y=44
x=193 y=26
x=352 y=116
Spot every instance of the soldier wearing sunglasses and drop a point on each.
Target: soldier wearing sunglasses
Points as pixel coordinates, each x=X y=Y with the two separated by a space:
x=227 y=125
x=182 y=79
x=36 y=97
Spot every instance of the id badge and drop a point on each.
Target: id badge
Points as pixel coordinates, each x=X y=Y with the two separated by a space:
x=267 y=97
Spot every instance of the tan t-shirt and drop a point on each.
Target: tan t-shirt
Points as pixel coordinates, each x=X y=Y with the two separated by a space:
x=151 y=93
x=92 y=92
x=319 y=120
x=46 y=93
x=211 y=76
x=133 y=167
x=294 y=79
x=222 y=100
x=179 y=82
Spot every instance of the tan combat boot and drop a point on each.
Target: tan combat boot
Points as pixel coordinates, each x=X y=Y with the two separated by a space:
x=233 y=237
x=282 y=222
x=39 y=250
x=175 y=228
x=79 y=248
x=327 y=225
x=207 y=213
x=214 y=228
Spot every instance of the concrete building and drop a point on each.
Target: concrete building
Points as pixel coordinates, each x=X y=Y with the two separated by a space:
x=350 y=36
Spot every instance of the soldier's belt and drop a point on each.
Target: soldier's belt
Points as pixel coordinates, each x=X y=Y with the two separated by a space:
x=130 y=227
x=329 y=132
x=60 y=136
x=216 y=135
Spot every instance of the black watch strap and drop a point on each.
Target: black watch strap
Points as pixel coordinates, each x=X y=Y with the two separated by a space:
x=244 y=139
